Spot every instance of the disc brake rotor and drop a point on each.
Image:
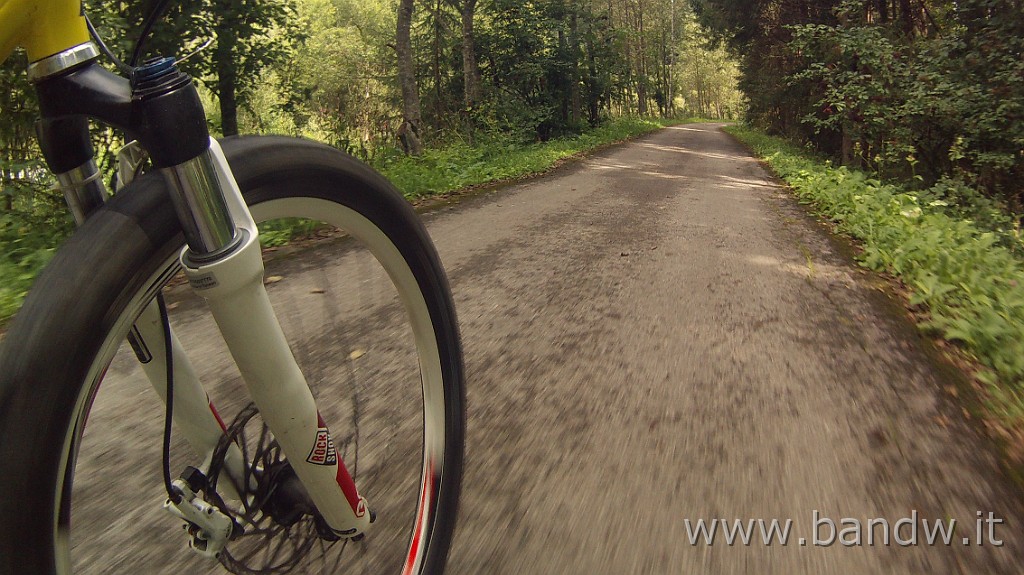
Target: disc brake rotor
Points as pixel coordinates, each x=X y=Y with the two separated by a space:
x=280 y=525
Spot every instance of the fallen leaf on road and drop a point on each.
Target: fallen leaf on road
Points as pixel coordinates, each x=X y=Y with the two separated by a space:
x=272 y=279
x=357 y=354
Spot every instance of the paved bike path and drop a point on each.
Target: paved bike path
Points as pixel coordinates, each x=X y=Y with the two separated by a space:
x=655 y=334
x=659 y=334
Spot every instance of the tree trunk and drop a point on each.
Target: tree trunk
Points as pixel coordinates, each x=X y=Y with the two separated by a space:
x=670 y=79
x=409 y=132
x=663 y=75
x=470 y=68
x=563 y=82
x=883 y=10
x=641 y=87
x=6 y=178
x=439 y=107
x=846 y=150
x=574 y=77
x=908 y=19
x=626 y=86
x=226 y=83
x=593 y=95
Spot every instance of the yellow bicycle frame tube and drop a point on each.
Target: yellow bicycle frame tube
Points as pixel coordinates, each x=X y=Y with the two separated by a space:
x=42 y=27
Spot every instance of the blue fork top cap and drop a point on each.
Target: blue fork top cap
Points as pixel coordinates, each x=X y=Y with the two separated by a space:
x=157 y=77
x=153 y=69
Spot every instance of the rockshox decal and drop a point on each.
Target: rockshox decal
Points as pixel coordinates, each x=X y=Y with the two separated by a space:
x=323 y=452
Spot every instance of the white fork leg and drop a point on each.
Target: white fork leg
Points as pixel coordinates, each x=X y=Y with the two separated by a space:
x=194 y=414
x=233 y=287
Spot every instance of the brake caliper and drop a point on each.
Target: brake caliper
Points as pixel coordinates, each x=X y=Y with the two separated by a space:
x=209 y=528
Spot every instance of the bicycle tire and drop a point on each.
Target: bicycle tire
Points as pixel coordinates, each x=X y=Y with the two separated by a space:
x=89 y=294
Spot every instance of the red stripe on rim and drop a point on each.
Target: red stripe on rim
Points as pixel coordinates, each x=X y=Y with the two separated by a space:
x=426 y=494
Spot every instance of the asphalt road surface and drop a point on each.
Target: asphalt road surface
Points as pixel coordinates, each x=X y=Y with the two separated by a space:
x=658 y=335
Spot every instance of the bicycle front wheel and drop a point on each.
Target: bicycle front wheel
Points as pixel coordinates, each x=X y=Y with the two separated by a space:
x=368 y=315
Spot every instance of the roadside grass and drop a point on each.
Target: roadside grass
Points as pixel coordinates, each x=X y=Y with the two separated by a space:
x=437 y=171
x=959 y=255
x=460 y=166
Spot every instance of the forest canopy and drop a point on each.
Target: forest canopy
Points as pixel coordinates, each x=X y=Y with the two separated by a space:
x=375 y=76
x=381 y=79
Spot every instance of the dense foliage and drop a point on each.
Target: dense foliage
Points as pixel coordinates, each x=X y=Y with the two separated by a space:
x=914 y=89
x=332 y=69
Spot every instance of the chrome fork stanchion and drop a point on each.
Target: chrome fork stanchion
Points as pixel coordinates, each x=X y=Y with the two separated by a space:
x=83 y=189
x=209 y=228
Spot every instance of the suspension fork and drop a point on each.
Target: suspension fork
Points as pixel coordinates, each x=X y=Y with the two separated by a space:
x=194 y=414
x=161 y=109
x=70 y=156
